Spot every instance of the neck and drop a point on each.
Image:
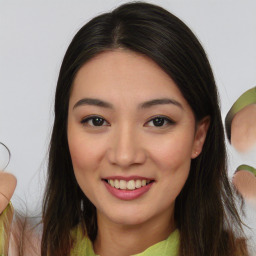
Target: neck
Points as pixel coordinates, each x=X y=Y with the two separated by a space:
x=115 y=239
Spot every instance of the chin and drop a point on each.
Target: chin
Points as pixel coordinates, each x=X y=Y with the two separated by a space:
x=127 y=216
x=128 y=220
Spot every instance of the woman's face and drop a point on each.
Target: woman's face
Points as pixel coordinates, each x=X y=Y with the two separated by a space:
x=130 y=126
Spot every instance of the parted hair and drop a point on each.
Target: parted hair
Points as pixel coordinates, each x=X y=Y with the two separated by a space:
x=205 y=210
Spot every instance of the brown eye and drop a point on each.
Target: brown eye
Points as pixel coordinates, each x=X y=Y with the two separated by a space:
x=161 y=121
x=93 y=121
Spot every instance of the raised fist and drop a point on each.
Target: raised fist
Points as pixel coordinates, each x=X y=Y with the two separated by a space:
x=8 y=184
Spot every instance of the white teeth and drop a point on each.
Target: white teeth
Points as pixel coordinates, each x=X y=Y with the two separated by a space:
x=130 y=185
x=143 y=183
x=116 y=184
x=138 y=183
x=122 y=184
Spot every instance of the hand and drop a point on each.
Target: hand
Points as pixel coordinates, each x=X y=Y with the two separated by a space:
x=8 y=184
x=244 y=180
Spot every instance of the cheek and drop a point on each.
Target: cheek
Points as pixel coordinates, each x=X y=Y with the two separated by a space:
x=81 y=154
x=85 y=151
x=173 y=159
x=173 y=152
x=85 y=156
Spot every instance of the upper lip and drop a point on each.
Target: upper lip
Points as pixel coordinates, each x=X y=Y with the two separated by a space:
x=133 y=177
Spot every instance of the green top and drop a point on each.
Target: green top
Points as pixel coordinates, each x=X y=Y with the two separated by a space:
x=167 y=247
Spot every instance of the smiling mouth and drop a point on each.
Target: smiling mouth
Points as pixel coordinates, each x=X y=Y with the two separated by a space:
x=128 y=185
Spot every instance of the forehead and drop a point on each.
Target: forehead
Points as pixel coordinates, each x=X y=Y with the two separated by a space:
x=125 y=76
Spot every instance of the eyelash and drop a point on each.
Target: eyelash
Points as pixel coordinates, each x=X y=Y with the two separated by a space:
x=86 y=120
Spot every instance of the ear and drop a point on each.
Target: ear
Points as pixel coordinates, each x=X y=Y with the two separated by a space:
x=200 y=135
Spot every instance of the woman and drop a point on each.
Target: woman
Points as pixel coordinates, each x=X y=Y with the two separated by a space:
x=204 y=209
x=137 y=162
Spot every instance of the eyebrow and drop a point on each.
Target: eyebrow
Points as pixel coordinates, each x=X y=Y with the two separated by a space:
x=144 y=105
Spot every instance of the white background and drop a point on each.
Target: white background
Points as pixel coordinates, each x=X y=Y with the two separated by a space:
x=34 y=36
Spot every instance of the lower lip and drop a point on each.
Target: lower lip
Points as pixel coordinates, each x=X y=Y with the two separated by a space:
x=128 y=194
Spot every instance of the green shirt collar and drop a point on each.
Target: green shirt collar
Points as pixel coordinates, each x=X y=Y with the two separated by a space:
x=169 y=246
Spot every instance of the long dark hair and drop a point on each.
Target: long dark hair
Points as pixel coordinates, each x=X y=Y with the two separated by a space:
x=205 y=211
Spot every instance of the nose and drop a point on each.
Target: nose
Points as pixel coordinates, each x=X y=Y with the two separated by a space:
x=126 y=148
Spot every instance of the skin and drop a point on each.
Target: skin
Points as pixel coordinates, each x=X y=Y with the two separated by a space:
x=129 y=143
x=8 y=184
x=243 y=129
x=245 y=182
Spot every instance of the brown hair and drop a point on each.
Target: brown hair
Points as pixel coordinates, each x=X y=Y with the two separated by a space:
x=205 y=211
